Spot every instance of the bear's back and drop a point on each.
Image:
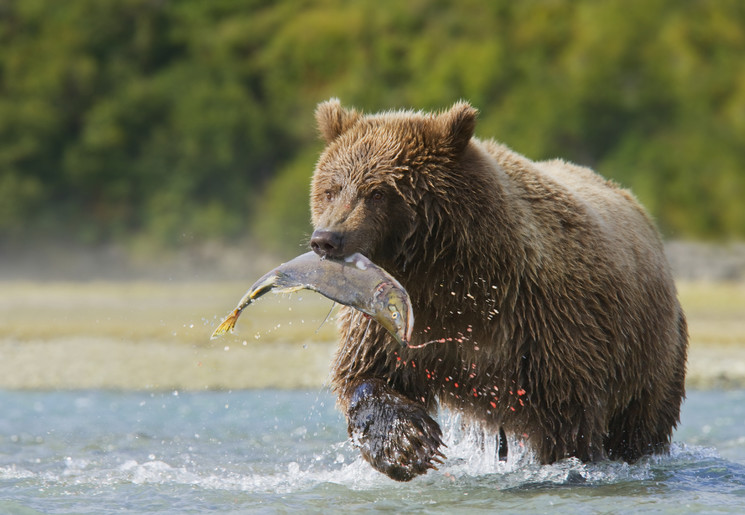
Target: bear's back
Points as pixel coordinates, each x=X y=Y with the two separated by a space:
x=564 y=199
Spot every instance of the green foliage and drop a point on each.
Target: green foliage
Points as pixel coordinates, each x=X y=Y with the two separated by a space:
x=282 y=214
x=192 y=120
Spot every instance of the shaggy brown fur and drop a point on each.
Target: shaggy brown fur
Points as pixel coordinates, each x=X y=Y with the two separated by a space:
x=545 y=287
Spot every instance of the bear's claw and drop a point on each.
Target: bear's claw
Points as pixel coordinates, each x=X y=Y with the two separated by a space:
x=395 y=435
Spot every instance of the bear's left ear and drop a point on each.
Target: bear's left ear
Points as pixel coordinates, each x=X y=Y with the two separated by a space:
x=457 y=125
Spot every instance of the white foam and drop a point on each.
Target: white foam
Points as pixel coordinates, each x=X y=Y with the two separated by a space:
x=13 y=472
x=471 y=457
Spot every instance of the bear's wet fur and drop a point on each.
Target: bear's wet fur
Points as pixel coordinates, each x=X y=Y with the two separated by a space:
x=542 y=289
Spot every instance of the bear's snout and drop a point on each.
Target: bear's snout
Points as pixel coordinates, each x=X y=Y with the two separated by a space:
x=327 y=243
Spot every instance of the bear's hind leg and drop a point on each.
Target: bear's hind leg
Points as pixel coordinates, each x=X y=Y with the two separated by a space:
x=636 y=432
x=395 y=434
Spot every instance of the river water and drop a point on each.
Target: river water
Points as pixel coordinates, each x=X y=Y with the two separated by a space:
x=279 y=451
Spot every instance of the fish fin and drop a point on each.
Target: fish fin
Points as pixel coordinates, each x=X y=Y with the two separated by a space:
x=227 y=325
x=287 y=289
x=333 y=305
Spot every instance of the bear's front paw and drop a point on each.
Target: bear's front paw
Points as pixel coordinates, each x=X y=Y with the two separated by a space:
x=395 y=435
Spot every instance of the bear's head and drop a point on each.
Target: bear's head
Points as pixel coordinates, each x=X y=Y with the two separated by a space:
x=376 y=185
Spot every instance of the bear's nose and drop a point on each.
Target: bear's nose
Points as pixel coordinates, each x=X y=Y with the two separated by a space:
x=327 y=243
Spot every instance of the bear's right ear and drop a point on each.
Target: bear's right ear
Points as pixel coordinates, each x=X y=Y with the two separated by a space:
x=457 y=125
x=333 y=119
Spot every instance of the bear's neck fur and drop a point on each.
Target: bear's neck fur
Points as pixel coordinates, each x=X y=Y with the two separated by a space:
x=449 y=238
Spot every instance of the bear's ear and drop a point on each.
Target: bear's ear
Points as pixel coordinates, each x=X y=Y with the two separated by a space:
x=333 y=119
x=457 y=125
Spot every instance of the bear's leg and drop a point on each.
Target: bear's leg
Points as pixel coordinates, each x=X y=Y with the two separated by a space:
x=501 y=445
x=641 y=428
x=628 y=439
x=645 y=425
x=395 y=434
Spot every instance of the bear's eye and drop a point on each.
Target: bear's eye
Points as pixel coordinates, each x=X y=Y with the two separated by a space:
x=377 y=196
x=329 y=195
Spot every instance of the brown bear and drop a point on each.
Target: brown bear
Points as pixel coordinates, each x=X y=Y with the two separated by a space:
x=544 y=305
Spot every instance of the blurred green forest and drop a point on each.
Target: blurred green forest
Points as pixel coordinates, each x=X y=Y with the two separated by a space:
x=177 y=122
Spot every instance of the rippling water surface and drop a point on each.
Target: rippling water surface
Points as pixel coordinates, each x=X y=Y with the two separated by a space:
x=247 y=451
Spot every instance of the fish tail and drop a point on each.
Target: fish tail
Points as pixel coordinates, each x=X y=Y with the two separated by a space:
x=227 y=325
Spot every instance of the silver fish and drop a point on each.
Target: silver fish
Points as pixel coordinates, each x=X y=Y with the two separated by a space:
x=354 y=281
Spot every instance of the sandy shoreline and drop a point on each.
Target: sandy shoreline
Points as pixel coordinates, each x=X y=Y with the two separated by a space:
x=155 y=336
x=108 y=364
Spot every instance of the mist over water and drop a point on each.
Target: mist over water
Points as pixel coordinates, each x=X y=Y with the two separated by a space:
x=175 y=452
